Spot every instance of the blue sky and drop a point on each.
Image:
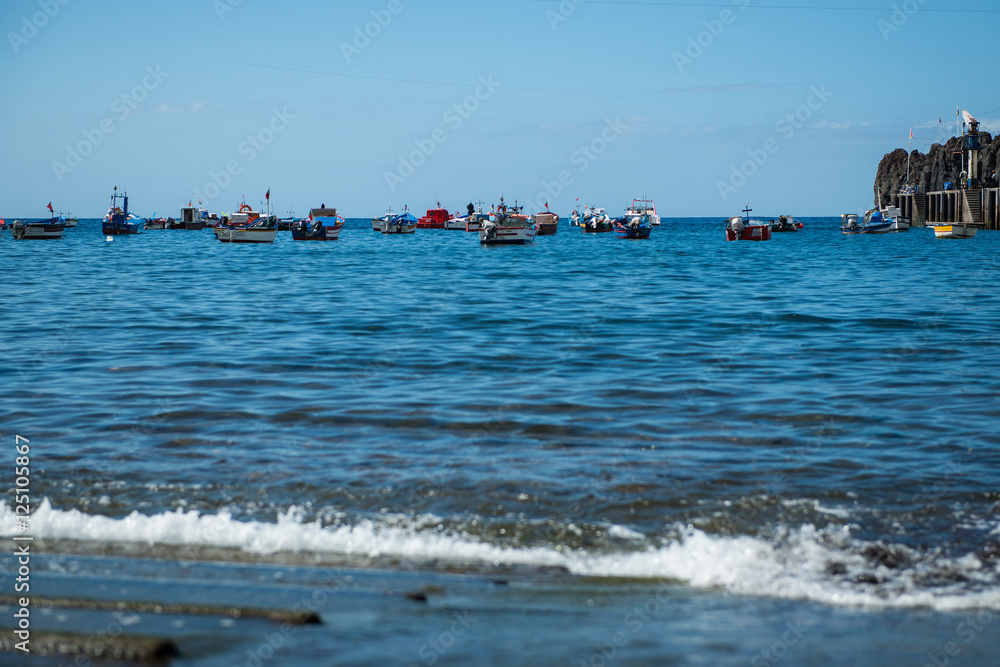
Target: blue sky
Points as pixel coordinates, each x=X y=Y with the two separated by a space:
x=703 y=106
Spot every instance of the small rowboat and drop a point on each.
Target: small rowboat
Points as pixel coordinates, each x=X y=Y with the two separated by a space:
x=955 y=231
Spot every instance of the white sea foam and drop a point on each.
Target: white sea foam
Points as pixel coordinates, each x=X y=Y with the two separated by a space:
x=794 y=564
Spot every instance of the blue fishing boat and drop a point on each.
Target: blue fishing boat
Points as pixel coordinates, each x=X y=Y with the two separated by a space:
x=119 y=221
x=323 y=224
x=633 y=227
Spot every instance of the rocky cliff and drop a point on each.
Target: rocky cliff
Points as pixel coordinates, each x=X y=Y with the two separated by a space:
x=930 y=171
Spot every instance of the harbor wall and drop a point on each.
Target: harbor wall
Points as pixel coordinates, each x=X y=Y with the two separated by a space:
x=978 y=206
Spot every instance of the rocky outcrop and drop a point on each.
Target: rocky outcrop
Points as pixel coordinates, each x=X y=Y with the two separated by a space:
x=941 y=164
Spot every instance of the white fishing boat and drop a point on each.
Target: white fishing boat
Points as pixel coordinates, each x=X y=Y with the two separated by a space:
x=377 y=222
x=509 y=228
x=644 y=207
x=248 y=226
x=475 y=221
x=460 y=222
x=406 y=223
x=40 y=229
x=883 y=221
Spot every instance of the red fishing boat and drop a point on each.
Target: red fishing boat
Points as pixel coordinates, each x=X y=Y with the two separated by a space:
x=745 y=229
x=436 y=218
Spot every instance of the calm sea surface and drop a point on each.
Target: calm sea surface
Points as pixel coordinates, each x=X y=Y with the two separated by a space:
x=586 y=451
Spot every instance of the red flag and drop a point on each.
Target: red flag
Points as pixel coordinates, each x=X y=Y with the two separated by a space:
x=268 y=195
x=50 y=208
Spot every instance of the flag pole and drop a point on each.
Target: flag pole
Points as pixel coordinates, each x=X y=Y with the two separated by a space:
x=909 y=143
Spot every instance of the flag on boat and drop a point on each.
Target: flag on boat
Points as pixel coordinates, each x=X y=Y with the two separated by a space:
x=267 y=196
x=50 y=208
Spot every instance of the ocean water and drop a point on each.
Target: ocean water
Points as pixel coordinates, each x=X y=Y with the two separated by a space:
x=586 y=451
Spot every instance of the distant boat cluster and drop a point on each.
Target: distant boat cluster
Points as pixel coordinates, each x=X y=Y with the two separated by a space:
x=503 y=224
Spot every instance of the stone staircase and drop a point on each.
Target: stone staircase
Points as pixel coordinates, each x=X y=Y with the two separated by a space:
x=973 y=205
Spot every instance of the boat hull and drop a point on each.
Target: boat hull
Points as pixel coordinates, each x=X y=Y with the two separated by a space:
x=507 y=235
x=955 y=231
x=877 y=228
x=121 y=228
x=38 y=231
x=398 y=228
x=750 y=233
x=547 y=228
x=626 y=232
x=596 y=228
x=232 y=235
x=328 y=230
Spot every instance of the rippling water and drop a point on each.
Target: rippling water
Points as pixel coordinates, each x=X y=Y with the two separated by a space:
x=798 y=429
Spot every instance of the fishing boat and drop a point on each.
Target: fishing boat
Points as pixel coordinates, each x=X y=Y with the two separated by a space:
x=377 y=222
x=436 y=218
x=460 y=222
x=156 y=223
x=785 y=223
x=323 y=224
x=884 y=221
x=510 y=227
x=593 y=219
x=633 y=227
x=248 y=226
x=118 y=221
x=52 y=228
x=745 y=229
x=597 y=223
x=192 y=219
x=475 y=221
x=641 y=207
x=405 y=223
x=70 y=219
x=956 y=230
x=547 y=223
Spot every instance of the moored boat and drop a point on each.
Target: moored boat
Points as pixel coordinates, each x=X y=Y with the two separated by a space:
x=118 y=221
x=547 y=223
x=377 y=222
x=405 y=223
x=785 y=223
x=633 y=227
x=248 y=226
x=436 y=218
x=644 y=207
x=956 y=231
x=593 y=219
x=323 y=224
x=51 y=228
x=156 y=223
x=191 y=219
x=475 y=221
x=745 y=229
x=883 y=221
x=70 y=219
x=509 y=228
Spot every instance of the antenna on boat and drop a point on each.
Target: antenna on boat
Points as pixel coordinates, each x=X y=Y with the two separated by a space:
x=747 y=211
